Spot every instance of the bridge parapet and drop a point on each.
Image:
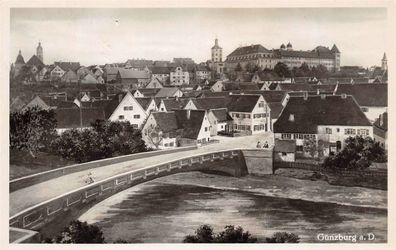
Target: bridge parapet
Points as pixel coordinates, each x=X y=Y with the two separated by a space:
x=41 y=214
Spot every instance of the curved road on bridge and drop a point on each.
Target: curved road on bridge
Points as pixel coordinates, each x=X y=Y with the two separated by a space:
x=26 y=197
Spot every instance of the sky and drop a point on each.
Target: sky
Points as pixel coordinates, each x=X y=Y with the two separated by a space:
x=99 y=36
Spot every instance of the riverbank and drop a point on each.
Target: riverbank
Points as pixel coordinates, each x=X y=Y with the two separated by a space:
x=286 y=187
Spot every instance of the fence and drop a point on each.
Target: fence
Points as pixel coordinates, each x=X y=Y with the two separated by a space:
x=338 y=171
x=42 y=213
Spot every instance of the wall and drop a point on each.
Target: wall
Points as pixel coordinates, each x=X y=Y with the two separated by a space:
x=44 y=176
x=258 y=161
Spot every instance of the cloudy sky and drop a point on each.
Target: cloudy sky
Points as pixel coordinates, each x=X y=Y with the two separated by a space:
x=98 y=36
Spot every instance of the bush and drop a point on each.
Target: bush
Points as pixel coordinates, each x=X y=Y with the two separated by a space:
x=79 y=232
x=358 y=153
x=104 y=140
x=283 y=237
x=205 y=234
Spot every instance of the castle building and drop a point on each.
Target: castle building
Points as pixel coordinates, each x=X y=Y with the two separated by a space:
x=264 y=58
x=384 y=65
x=39 y=52
x=19 y=63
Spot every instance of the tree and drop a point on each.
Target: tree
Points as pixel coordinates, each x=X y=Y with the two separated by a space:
x=310 y=147
x=80 y=232
x=304 y=69
x=283 y=237
x=238 y=67
x=358 y=153
x=32 y=130
x=204 y=234
x=234 y=235
x=282 y=70
x=105 y=139
x=154 y=135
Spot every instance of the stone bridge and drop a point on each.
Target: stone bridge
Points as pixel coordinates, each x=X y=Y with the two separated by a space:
x=52 y=214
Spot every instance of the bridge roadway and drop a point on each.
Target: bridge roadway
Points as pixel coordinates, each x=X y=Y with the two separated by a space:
x=26 y=197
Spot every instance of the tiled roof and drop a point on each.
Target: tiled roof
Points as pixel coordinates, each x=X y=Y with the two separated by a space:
x=171 y=103
x=295 y=86
x=34 y=60
x=324 y=88
x=370 y=95
x=144 y=102
x=68 y=65
x=269 y=95
x=257 y=48
x=243 y=103
x=318 y=52
x=167 y=92
x=160 y=70
x=303 y=116
x=166 y=121
x=276 y=108
x=70 y=118
x=19 y=59
x=334 y=49
x=133 y=74
x=211 y=102
x=192 y=125
x=222 y=115
x=149 y=92
x=384 y=125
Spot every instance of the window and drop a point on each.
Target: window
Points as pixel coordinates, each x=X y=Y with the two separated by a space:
x=128 y=108
x=328 y=131
x=206 y=129
x=286 y=136
x=364 y=132
x=364 y=109
x=350 y=131
x=284 y=154
x=166 y=144
x=136 y=116
x=299 y=148
x=237 y=115
x=256 y=128
x=338 y=129
x=171 y=144
x=121 y=117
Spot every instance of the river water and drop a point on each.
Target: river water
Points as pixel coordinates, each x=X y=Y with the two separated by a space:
x=165 y=210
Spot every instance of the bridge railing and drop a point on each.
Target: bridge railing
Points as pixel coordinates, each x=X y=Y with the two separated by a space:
x=54 y=173
x=35 y=216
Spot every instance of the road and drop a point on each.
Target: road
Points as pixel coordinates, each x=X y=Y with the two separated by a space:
x=26 y=197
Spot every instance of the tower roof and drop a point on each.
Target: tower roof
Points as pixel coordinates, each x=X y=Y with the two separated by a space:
x=334 y=49
x=39 y=45
x=19 y=58
x=216 y=46
x=384 y=57
x=289 y=45
x=283 y=46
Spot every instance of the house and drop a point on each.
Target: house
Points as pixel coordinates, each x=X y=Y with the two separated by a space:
x=294 y=87
x=68 y=65
x=169 y=92
x=285 y=150
x=147 y=103
x=77 y=118
x=218 y=86
x=202 y=72
x=69 y=77
x=149 y=92
x=380 y=130
x=37 y=101
x=324 y=121
x=130 y=78
x=82 y=71
x=372 y=98
x=161 y=73
x=88 y=79
x=220 y=121
x=251 y=113
x=36 y=67
x=161 y=130
x=179 y=76
x=170 y=104
x=136 y=93
x=110 y=74
x=127 y=108
x=56 y=73
x=154 y=83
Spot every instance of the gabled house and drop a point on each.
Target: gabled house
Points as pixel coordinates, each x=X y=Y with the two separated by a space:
x=37 y=101
x=323 y=121
x=136 y=93
x=88 y=79
x=170 y=104
x=218 y=86
x=147 y=103
x=69 y=77
x=110 y=74
x=161 y=73
x=207 y=103
x=251 y=114
x=130 y=78
x=372 y=98
x=220 y=121
x=169 y=92
x=179 y=76
x=177 y=128
x=154 y=83
x=56 y=73
x=127 y=108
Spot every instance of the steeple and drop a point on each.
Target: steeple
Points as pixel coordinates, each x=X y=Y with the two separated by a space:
x=39 y=52
x=19 y=59
x=384 y=65
x=217 y=52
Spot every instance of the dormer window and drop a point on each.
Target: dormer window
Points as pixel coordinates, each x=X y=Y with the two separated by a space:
x=291 y=117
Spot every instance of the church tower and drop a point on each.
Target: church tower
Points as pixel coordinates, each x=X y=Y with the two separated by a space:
x=384 y=65
x=217 y=52
x=39 y=52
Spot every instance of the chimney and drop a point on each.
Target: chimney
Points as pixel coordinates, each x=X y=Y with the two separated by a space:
x=119 y=98
x=305 y=95
x=343 y=96
x=188 y=114
x=322 y=96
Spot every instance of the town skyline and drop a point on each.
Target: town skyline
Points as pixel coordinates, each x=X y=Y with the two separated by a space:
x=163 y=36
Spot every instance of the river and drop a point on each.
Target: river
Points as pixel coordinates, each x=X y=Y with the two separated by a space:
x=167 y=209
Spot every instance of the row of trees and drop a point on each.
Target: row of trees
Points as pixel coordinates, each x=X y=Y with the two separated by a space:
x=357 y=154
x=34 y=130
x=282 y=70
x=82 y=232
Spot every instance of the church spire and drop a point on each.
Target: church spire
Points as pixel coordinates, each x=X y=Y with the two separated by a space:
x=39 y=52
